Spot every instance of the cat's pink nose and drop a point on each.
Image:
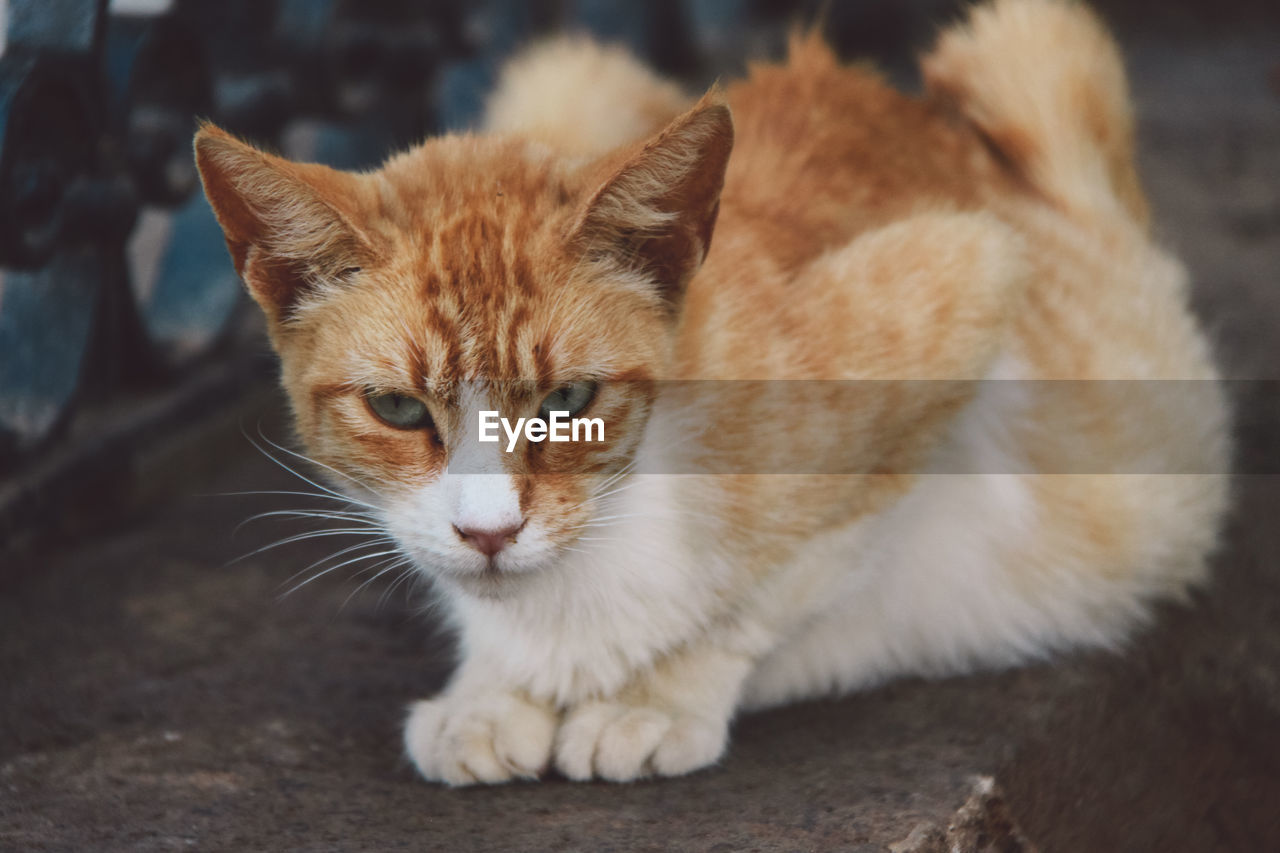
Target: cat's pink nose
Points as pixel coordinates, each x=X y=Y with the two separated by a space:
x=488 y=542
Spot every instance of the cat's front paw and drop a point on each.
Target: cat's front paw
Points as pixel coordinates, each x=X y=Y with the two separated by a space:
x=487 y=738
x=621 y=742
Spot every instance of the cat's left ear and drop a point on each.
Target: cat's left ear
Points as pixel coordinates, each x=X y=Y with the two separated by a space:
x=656 y=212
x=290 y=227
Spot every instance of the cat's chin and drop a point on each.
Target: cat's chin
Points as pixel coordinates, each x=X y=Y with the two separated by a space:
x=492 y=584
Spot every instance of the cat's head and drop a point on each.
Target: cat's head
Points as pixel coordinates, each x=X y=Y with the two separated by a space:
x=473 y=274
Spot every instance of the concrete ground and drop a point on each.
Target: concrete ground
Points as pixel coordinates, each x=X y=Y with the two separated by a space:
x=156 y=695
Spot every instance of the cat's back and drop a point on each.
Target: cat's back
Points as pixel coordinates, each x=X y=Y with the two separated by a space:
x=825 y=151
x=824 y=154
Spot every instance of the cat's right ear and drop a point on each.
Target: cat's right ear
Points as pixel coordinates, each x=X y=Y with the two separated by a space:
x=655 y=213
x=289 y=226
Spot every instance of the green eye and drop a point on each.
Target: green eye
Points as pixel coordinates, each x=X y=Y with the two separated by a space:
x=399 y=410
x=571 y=398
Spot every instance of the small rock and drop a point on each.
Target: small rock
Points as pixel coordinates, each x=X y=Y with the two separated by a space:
x=981 y=825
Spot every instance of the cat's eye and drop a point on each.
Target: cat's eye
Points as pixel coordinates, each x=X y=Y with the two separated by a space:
x=399 y=410
x=571 y=398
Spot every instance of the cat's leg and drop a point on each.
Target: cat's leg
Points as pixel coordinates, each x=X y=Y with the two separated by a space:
x=473 y=733
x=670 y=720
x=840 y=637
x=842 y=650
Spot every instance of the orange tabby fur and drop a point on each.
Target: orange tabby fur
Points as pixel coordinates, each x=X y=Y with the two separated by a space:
x=993 y=228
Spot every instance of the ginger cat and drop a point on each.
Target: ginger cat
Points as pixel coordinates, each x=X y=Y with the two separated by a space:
x=611 y=622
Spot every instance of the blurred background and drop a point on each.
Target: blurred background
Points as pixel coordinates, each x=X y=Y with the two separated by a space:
x=132 y=374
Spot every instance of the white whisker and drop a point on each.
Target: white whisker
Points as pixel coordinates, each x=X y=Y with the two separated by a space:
x=338 y=566
x=305 y=458
x=339 y=515
x=318 y=495
x=370 y=543
x=388 y=565
x=410 y=573
x=312 y=534
x=332 y=492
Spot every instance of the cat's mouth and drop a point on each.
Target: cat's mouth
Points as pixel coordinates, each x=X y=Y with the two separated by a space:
x=497 y=577
x=502 y=574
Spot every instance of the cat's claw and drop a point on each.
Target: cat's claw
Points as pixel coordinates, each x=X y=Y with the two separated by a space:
x=621 y=742
x=492 y=738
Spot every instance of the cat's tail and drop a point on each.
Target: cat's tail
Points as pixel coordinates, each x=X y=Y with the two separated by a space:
x=581 y=97
x=1043 y=81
